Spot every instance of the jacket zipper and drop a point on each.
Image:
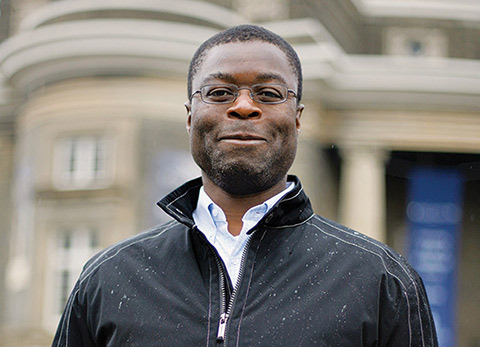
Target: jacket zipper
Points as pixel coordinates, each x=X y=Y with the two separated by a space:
x=227 y=309
x=223 y=297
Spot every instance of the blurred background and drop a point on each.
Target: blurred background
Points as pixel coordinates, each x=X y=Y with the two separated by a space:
x=92 y=134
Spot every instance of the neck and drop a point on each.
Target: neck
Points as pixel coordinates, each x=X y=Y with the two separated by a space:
x=234 y=206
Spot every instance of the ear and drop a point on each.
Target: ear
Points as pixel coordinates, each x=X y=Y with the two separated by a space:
x=188 y=107
x=298 y=115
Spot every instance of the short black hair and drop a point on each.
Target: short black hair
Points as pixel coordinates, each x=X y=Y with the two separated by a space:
x=244 y=33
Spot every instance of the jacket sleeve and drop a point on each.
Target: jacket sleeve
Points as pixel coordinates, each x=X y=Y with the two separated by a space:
x=73 y=329
x=412 y=324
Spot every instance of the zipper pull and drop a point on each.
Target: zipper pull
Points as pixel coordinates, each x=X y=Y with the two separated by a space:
x=221 y=326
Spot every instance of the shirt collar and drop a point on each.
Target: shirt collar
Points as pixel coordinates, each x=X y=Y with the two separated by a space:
x=208 y=214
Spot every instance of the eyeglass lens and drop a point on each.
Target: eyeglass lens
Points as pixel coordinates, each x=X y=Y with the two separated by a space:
x=227 y=93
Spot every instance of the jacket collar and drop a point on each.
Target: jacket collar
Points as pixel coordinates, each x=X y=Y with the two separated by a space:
x=293 y=209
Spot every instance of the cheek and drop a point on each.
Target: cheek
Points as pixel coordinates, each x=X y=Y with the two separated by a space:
x=287 y=141
x=287 y=129
x=200 y=129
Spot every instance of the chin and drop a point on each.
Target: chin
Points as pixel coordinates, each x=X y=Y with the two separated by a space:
x=242 y=181
x=243 y=175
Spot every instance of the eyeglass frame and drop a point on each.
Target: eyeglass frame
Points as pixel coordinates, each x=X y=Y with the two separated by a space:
x=236 y=94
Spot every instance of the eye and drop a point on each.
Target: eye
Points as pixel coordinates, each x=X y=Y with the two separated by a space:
x=218 y=93
x=269 y=93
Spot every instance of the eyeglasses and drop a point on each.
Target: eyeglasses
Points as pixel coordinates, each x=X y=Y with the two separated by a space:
x=269 y=94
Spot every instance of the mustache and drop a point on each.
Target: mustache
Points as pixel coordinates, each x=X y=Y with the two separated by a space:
x=242 y=130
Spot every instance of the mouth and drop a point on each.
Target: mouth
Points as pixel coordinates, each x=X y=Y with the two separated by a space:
x=243 y=139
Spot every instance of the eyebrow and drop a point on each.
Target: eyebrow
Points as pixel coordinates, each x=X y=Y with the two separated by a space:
x=229 y=78
x=226 y=77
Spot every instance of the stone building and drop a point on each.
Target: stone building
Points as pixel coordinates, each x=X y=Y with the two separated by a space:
x=92 y=127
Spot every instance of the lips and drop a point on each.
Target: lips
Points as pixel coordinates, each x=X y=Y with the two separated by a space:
x=242 y=138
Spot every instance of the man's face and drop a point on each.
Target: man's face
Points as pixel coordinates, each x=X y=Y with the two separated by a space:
x=244 y=147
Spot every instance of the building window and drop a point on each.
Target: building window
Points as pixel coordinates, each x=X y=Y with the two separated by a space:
x=81 y=162
x=69 y=249
x=415 y=48
x=415 y=42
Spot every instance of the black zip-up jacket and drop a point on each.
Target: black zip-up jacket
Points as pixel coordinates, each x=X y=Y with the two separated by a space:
x=304 y=281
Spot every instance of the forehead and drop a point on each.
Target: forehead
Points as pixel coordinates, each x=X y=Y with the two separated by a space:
x=245 y=63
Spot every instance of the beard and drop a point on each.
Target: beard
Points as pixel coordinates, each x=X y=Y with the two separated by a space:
x=244 y=172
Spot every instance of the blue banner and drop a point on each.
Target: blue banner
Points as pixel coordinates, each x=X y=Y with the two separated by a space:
x=434 y=212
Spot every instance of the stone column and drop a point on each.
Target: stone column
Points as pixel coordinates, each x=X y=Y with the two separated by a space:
x=362 y=190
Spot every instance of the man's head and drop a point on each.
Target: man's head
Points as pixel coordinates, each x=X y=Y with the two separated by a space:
x=243 y=112
x=246 y=33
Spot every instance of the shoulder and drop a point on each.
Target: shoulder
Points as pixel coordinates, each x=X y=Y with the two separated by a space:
x=385 y=273
x=143 y=245
x=365 y=253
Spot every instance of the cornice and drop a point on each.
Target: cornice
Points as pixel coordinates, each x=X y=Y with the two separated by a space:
x=343 y=81
x=71 y=39
x=459 y=10
x=60 y=51
x=190 y=10
x=45 y=52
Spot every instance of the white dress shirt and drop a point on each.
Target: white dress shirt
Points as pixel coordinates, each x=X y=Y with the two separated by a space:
x=212 y=222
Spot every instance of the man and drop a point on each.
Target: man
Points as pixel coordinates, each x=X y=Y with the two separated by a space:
x=246 y=261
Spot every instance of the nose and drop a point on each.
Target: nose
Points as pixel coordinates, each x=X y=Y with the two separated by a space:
x=244 y=106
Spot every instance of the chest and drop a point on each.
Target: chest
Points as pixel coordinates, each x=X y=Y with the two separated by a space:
x=288 y=296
